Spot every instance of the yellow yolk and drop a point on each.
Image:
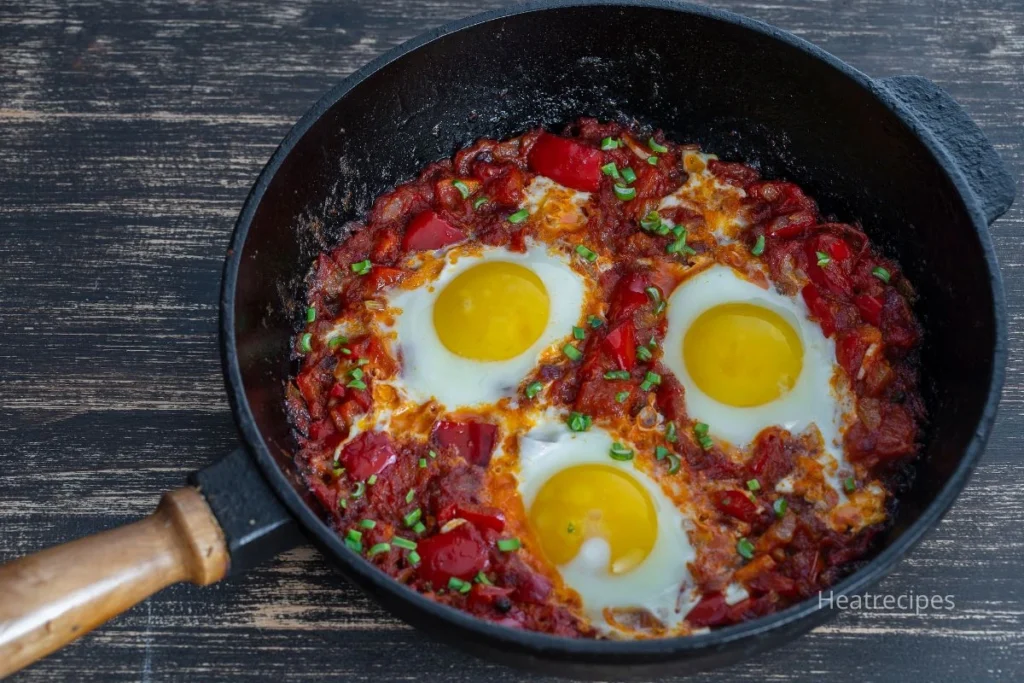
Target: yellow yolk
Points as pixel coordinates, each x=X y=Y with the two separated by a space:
x=493 y=311
x=588 y=501
x=742 y=355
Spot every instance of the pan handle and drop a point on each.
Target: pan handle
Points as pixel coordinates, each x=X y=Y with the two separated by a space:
x=54 y=596
x=933 y=109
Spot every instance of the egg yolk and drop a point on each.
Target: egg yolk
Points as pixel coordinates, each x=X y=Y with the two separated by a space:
x=742 y=355
x=493 y=311
x=588 y=501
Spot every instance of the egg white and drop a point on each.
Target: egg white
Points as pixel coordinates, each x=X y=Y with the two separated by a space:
x=811 y=401
x=661 y=584
x=430 y=370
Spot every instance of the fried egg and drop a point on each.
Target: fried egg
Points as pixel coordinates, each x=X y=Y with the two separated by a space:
x=751 y=358
x=471 y=335
x=613 y=534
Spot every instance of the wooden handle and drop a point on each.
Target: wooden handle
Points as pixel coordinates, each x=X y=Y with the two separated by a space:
x=50 y=598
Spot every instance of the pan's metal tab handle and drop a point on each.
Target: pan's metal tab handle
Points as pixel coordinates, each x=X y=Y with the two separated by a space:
x=932 y=109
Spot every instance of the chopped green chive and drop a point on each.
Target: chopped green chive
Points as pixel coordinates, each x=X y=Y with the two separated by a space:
x=361 y=361
x=823 y=259
x=310 y=314
x=457 y=584
x=629 y=175
x=579 y=333
x=610 y=169
x=610 y=143
x=745 y=548
x=578 y=422
x=679 y=244
x=780 y=506
x=624 y=193
x=338 y=471
x=655 y=147
x=701 y=429
x=586 y=254
x=508 y=545
x=371 y=480
x=306 y=343
x=617 y=374
x=335 y=342
x=571 y=528
x=850 y=484
x=621 y=396
x=572 y=352
x=482 y=578
x=360 y=490
x=758 y=246
x=650 y=379
x=479 y=201
x=652 y=223
x=405 y=543
x=354 y=546
x=432 y=454
x=419 y=528
x=594 y=321
x=660 y=308
x=706 y=443
x=414 y=557
x=620 y=452
x=652 y=160
x=654 y=293
x=423 y=463
x=670 y=432
x=410 y=495
x=462 y=188
x=881 y=273
x=354 y=535
x=356 y=373
x=413 y=517
x=356 y=384
x=347 y=352
x=660 y=452
x=378 y=549
x=643 y=353
x=754 y=485
x=343 y=503
x=367 y=523
x=674 y=463
x=533 y=389
x=519 y=216
x=362 y=267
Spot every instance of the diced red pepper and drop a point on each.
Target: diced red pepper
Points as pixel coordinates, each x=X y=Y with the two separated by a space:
x=461 y=552
x=819 y=308
x=629 y=294
x=870 y=308
x=839 y=249
x=367 y=454
x=850 y=349
x=382 y=277
x=792 y=225
x=567 y=162
x=474 y=441
x=832 y=276
x=320 y=429
x=737 y=504
x=712 y=610
x=428 y=231
x=621 y=343
x=481 y=516
x=771 y=460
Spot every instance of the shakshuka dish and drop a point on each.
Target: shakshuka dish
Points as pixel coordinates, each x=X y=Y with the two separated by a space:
x=601 y=384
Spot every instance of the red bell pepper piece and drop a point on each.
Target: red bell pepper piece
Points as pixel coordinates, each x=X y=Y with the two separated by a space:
x=737 y=504
x=870 y=308
x=462 y=552
x=382 y=277
x=474 y=441
x=832 y=276
x=819 y=308
x=838 y=249
x=481 y=516
x=367 y=454
x=712 y=610
x=791 y=225
x=567 y=162
x=621 y=343
x=428 y=231
x=629 y=294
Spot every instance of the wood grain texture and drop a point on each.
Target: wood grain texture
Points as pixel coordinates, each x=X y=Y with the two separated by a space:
x=130 y=133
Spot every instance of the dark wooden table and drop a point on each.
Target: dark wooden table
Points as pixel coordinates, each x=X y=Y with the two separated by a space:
x=130 y=133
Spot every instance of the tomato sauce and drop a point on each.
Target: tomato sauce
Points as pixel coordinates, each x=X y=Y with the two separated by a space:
x=451 y=544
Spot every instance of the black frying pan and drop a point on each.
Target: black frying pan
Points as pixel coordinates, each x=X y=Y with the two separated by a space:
x=897 y=154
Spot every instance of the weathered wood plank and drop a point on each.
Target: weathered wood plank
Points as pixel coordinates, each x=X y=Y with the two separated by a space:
x=129 y=136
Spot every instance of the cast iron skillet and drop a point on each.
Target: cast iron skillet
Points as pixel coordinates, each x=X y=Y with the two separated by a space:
x=898 y=154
